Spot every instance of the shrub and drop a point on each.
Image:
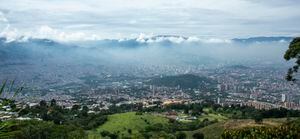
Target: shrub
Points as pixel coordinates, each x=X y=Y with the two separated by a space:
x=198 y=135
x=180 y=135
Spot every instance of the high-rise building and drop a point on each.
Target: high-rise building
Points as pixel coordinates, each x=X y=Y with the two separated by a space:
x=285 y=98
x=221 y=87
x=218 y=100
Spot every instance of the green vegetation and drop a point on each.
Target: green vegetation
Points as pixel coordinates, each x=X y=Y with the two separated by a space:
x=130 y=124
x=290 y=130
x=293 y=53
x=211 y=122
x=180 y=135
x=33 y=129
x=198 y=135
x=144 y=125
x=10 y=88
x=59 y=115
x=215 y=131
x=212 y=117
x=5 y=87
x=184 y=81
x=212 y=131
x=133 y=121
x=244 y=112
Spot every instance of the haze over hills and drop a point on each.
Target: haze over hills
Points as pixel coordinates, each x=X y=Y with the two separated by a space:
x=172 y=48
x=143 y=39
x=185 y=81
x=263 y=39
x=156 y=55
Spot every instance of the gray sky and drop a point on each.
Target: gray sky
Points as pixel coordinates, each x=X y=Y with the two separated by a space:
x=94 y=19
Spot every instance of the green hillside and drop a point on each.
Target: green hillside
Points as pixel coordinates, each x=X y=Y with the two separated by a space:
x=184 y=81
x=35 y=129
x=124 y=122
x=215 y=131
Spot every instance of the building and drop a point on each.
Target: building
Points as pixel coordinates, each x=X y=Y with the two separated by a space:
x=221 y=87
x=261 y=105
x=285 y=98
x=218 y=100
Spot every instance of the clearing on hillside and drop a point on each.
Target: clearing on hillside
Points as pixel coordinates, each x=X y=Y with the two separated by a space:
x=129 y=124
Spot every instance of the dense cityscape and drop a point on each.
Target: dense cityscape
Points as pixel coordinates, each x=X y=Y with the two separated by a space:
x=149 y=69
x=261 y=87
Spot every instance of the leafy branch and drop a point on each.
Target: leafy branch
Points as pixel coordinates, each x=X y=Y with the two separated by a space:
x=293 y=53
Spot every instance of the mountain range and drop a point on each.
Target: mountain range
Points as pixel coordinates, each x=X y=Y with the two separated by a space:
x=156 y=49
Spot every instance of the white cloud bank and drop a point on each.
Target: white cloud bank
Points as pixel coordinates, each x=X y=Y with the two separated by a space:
x=79 y=19
x=143 y=38
x=46 y=32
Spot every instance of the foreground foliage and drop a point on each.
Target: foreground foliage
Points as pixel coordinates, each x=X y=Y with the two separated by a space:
x=293 y=53
x=34 y=129
x=289 y=130
x=59 y=115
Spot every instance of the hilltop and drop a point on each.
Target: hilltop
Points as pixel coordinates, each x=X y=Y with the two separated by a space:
x=183 y=81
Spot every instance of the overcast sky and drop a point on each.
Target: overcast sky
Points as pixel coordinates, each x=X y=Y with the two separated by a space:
x=90 y=19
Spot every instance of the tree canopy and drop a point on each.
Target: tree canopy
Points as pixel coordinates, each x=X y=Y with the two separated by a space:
x=293 y=53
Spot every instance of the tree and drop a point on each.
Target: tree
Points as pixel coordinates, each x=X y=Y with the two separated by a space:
x=180 y=135
x=75 y=107
x=104 y=133
x=84 y=111
x=129 y=131
x=43 y=103
x=35 y=129
x=24 y=111
x=155 y=127
x=258 y=118
x=293 y=53
x=56 y=117
x=186 y=110
x=53 y=103
x=113 y=136
x=198 y=135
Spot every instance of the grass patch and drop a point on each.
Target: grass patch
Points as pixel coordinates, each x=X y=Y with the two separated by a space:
x=212 y=116
x=235 y=124
x=123 y=122
x=215 y=131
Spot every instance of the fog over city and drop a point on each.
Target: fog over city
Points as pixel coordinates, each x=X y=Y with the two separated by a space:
x=154 y=50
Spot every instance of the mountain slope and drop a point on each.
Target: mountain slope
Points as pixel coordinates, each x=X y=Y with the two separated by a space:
x=184 y=81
